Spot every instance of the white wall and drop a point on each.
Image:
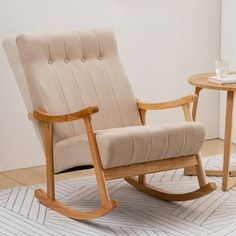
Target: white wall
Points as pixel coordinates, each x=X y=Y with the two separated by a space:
x=161 y=43
x=228 y=51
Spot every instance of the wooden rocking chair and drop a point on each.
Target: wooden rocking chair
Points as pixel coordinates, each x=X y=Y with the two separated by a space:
x=86 y=115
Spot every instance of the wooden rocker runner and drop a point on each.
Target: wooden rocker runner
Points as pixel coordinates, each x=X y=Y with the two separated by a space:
x=86 y=115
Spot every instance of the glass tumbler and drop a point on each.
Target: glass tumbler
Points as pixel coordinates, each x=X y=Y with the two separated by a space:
x=222 y=68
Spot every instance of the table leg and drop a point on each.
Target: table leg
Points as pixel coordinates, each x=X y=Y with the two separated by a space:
x=228 y=181
x=195 y=104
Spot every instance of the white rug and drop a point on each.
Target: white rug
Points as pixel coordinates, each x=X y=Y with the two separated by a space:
x=138 y=214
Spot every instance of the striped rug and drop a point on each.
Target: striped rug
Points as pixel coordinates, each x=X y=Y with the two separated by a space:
x=138 y=214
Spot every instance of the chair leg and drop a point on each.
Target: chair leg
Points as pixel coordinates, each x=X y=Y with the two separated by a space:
x=49 y=160
x=48 y=199
x=142 y=179
x=101 y=182
x=201 y=174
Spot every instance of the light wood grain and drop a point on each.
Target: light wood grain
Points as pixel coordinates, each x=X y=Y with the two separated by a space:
x=71 y=212
x=166 y=105
x=7 y=182
x=142 y=113
x=201 y=175
x=150 y=167
x=201 y=81
x=48 y=148
x=187 y=115
x=105 y=199
x=168 y=196
x=49 y=198
x=42 y=115
x=219 y=173
x=228 y=140
x=195 y=104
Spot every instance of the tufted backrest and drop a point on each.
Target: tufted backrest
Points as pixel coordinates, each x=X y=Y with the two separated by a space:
x=66 y=72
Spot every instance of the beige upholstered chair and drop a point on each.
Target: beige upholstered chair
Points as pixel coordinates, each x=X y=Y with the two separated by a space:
x=86 y=115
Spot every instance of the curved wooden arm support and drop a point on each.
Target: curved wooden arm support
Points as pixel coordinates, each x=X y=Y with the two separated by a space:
x=166 y=105
x=71 y=212
x=48 y=198
x=167 y=196
x=181 y=102
x=41 y=115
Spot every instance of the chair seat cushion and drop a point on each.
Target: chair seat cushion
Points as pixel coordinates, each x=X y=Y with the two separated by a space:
x=133 y=144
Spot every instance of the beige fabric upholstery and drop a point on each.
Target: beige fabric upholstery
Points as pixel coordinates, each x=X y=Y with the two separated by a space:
x=134 y=144
x=65 y=72
x=13 y=57
x=69 y=71
x=11 y=50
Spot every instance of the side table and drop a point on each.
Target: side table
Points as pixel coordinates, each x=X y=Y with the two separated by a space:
x=200 y=82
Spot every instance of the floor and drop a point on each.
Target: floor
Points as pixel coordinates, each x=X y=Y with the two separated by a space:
x=34 y=175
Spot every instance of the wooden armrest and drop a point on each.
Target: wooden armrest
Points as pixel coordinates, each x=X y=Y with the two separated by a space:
x=41 y=115
x=165 y=105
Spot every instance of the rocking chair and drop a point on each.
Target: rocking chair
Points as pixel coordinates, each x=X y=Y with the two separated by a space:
x=86 y=116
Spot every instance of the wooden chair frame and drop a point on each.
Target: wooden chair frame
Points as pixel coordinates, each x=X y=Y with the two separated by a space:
x=127 y=172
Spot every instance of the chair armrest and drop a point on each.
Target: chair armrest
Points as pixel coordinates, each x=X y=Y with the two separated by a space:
x=41 y=115
x=166 y=105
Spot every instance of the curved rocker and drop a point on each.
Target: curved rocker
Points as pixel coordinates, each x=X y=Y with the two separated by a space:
x=167 y=196
x=71 y=212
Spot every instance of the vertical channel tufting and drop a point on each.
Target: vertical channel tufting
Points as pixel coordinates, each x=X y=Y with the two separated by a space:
x=49 y=51
x=115 y=107
x=131 y=149
x=66 y=60
x=98 y=100
x=114 y=95
x=147 y=155
x=184 y=144
x=78 y=69
x=71 y=87
x=55 y=41
x=108 y=76
x=165 y=152
x=88 y=44
x=120 y=84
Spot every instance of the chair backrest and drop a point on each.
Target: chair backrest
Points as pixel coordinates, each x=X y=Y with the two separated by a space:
x=14 y=60
x=66 y=72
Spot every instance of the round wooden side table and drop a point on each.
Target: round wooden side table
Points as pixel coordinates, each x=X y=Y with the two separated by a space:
x=200 y=82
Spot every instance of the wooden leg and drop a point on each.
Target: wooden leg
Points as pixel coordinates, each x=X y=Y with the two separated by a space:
x=201 y=175
x=101 y=182
x=48 y=147
x=195 y=104
x=227 y=183
x=142 y=113
x=48 y=199
x=142 y=179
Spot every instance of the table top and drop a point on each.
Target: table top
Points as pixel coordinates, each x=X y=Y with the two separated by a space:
x=201 y=81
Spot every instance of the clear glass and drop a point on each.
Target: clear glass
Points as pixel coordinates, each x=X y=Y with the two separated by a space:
x=222 y=68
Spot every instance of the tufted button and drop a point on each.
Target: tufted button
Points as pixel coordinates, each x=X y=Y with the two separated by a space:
x=83 y=59
x=66 y=60
x=100 y=58
x=50 y=61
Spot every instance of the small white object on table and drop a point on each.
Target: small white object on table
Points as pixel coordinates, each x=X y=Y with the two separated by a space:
x=229 y=79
